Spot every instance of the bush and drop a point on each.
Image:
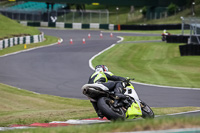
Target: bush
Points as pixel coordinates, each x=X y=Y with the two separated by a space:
x=171 y=9
x=144 y=11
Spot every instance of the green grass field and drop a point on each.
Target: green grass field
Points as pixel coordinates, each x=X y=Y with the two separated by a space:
x=139 y=38
x=10 y=28
x=139 y=125
x=24 y=107
x=154 y=63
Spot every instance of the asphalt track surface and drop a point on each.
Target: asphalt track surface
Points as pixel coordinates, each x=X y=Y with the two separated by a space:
x=63 y=69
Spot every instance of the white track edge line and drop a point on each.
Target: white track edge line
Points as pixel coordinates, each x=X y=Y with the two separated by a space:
x=185 y=112
x=172 y=87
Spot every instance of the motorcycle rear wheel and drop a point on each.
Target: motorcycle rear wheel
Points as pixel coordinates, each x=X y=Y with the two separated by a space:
x=147 y=112
x=106 y=107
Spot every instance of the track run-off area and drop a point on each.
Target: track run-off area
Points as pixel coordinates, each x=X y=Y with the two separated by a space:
x=62 y=69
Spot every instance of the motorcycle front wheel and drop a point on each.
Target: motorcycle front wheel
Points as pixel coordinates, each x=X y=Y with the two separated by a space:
x=105 y=105
x=147 y=112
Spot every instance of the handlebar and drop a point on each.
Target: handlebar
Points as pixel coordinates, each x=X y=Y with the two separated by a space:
x=128 y=79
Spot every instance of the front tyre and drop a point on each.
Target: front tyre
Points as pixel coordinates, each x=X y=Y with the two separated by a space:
x=105 y=105
x=147 y=112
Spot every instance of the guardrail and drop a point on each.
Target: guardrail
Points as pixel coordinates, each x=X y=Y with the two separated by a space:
x=70 y=25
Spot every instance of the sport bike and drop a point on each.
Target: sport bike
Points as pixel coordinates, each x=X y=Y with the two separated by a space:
x=114 y=107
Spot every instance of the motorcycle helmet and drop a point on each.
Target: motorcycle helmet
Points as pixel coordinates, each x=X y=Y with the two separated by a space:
x=102 y=68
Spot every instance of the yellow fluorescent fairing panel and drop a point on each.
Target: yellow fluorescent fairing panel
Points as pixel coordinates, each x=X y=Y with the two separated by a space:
x=134 y=111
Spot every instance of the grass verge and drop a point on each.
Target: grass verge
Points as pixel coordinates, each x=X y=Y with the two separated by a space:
x=173 y=32
x=10 y=28
x=139 y=38
x=49 y=40
x=154 y=62
x=137 y=125
x=24 y=107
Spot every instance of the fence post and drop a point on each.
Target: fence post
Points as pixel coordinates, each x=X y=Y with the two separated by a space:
x=99 y=16
x=48 y=16
x=19 y=15
x=107 y=17
x=25 y=16
x=73 y=17
x=32 y=17
x=64 y=16
x=90 y=17
x=81 y=16
x=12 y=15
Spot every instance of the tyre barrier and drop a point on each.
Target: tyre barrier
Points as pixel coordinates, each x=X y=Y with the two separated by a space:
x=177 y=39
x=151 y=27
x=21 y=40
x=195 y=39
x=189 y=49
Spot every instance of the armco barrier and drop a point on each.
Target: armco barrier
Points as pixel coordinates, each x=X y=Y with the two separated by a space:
x=21 y=40
x=94 y=26
x=60 y=25
x=76 y=26
x=104 y=26
x=189 y=49
x=44 y=24
x=177 y=39
x=70 y=25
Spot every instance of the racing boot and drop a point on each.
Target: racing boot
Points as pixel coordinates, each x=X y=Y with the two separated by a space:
x=99 y=114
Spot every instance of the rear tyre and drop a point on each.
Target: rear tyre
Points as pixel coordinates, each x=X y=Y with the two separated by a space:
x=106 y=107
x=147 y=112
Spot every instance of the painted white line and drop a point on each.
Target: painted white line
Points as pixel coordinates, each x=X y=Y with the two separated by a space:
x=184 y=88
x=185 y=112
x=90 y=61
x=180 y=113
x=30 y=49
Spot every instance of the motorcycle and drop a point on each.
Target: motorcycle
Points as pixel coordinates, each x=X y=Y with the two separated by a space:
x=164 y=36
x=113 y=107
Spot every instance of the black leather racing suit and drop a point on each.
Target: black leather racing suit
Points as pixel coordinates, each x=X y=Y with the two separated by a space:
x=102 y=77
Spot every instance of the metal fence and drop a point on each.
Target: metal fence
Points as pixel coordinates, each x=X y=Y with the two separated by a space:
x=70 y=16
x=193 y=24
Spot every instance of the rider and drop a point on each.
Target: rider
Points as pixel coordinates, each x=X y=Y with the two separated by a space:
x=102 y=75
